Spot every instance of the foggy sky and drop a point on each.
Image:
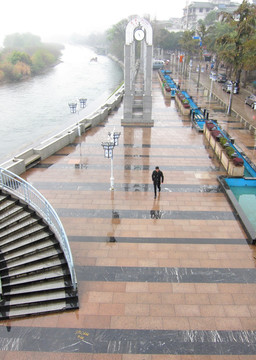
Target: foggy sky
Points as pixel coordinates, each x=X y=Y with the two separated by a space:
x=55 y=17
x=51 y=17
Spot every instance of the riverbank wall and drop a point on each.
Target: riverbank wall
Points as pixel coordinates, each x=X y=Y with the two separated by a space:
x=29 y=158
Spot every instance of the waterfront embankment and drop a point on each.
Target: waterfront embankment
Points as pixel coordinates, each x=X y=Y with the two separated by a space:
x=28 y=158
x=34 y=111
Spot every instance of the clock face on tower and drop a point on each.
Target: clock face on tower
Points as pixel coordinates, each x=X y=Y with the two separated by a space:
x=139 y=34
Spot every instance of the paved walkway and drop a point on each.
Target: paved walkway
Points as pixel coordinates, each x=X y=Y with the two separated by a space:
x=238 y=104
x=171 y=278
x=232 y=125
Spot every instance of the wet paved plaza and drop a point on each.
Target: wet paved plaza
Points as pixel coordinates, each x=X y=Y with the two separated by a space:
x=171 y=278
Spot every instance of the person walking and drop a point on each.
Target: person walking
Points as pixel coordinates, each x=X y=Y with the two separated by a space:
x=158 y=179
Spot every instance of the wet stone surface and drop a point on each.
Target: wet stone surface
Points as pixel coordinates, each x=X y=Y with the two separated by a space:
x=166 y=278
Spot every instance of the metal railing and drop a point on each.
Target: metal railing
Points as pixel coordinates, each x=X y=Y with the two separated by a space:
x=25 y=191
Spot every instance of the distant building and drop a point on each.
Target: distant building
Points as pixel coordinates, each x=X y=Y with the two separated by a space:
x=198 y=10
x=172 y=25
x=175 y=24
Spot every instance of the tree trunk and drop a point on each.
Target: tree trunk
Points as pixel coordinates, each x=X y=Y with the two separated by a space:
x=238 y=75
x=199 y=70
x=245 y=78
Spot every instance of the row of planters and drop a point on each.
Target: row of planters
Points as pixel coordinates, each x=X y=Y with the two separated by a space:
x=183 y=103
x=168 y=85
x=224 y=150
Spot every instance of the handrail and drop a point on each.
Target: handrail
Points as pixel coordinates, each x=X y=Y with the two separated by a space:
x=34 y=198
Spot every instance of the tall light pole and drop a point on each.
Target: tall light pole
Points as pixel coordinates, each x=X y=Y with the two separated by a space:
x=200 y=58
x=108 y=148
x=213 y=78
x=230 y=99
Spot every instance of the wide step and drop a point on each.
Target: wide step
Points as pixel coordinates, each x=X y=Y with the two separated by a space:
x=16 y=228
x=23 y=233
x=11 y=252
x=31 y=258
x=35 y=298
x=38 y=309
x=51 y=284
x=7 y=246
x=10 y=214
x=33 y=268
x=32 y=277
x=7 y=204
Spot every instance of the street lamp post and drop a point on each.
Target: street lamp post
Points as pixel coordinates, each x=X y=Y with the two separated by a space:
x=200 y=58
x=230 y=99
x=210 y=94
x=108 y=148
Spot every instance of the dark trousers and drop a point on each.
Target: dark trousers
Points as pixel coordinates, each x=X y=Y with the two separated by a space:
x=156 y=185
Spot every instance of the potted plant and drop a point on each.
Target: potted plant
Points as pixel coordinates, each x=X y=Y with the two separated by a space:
x=219 y=146
x=236 y=167
x=208 y=127
x=182 y=103
x=185 y=103
x=214 y=138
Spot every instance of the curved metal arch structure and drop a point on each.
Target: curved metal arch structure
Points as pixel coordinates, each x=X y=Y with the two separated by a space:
x=138 y=74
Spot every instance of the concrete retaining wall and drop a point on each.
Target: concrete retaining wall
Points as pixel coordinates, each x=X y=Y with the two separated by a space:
x=32 y=156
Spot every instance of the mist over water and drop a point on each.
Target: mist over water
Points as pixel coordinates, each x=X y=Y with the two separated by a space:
x=34 y=110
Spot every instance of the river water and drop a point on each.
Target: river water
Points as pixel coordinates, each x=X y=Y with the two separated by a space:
x=34 y=110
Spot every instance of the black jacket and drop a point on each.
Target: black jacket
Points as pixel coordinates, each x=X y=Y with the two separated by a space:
x=157 y=177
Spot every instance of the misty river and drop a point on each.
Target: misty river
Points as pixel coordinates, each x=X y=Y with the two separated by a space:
x=33 y=110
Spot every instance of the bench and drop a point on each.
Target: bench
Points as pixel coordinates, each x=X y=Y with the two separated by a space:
x=87 y=125
x=32 y=160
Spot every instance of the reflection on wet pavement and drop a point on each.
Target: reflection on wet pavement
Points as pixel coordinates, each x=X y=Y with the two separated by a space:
x=171 y=277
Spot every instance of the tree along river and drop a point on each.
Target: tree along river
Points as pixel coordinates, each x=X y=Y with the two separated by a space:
x=36 y=109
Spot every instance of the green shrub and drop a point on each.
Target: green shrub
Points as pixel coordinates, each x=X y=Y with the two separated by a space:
x=230 y=151
x=223 y=141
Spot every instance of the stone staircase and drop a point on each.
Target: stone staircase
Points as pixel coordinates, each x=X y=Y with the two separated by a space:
x=34 y=273
x=137 y=106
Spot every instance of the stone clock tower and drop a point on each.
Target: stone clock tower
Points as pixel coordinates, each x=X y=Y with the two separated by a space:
x=138 y=73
